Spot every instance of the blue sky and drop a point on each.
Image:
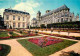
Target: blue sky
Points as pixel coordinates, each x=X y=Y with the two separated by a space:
x=33 y=6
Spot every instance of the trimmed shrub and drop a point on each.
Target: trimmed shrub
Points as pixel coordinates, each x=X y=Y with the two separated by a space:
x=5 y=50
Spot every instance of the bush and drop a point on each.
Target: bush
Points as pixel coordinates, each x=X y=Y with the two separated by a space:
x=5 y=50
x=71 y=53
x=36 y=32
x=11 y=32
x=29 y=32
x=21 y=32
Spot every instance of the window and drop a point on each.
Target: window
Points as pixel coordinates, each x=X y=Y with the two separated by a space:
x=14 y=25
x=62 y=20
x=23 y=18
x=23 y=25
x=18 y=24
x=67 y=19
x=13 y=17
x=70 y=20
x=7 y=17
x=19 y=18
x=58 y=20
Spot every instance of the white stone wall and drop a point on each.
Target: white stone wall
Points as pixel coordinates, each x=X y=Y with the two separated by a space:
x=10 y=21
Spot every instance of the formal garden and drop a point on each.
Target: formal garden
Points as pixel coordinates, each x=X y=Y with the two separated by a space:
x=11 y=33
x=44 y=46
x=37 y=46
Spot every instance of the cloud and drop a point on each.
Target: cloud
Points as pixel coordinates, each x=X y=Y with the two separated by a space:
x=27 y=6
x=1 y=11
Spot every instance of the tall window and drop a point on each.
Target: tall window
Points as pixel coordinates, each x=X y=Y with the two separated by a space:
x=23 y=25
x=19 y=18
x=18 y=24
x=62 y=20
x=70 y=20
x=23 y=18
x=13 y=17
x=7 y=17
x=58 y=20
x=14 y=25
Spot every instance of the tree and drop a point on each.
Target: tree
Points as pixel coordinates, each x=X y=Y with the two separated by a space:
x=42 y=26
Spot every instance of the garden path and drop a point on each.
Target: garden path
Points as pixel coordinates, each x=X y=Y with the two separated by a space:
x=61 y=33
x=74 y=47
x=17 y=33
x=9 y=34
x=18 y=50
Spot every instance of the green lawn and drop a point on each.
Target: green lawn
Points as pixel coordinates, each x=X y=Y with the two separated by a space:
x=3 y=34
x=14 y=34
x=46 y=51
x=22 y=33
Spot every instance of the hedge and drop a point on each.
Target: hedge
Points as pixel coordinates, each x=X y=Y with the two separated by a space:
x=5 y=50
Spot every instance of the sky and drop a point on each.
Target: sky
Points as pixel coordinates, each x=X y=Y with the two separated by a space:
x=33 y=6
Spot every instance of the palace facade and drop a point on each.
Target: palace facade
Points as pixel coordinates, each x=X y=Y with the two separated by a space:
x=34 y=22
x=16 y=19
x=59 y=15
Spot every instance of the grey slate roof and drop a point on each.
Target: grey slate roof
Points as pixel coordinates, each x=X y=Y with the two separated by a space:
x=16 y=11
x=34 y=19
x=56 y=10
x=61 y=8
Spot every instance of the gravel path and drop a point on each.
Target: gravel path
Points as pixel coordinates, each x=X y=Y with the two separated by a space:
x=18 y=50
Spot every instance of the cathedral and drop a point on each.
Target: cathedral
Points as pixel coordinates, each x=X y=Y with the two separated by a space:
x=59 y=15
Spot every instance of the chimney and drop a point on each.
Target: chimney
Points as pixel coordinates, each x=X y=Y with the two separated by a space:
x=47 y=11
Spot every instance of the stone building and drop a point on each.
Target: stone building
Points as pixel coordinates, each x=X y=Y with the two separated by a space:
x=34 y=22
x=16 y=19
x=59 y=15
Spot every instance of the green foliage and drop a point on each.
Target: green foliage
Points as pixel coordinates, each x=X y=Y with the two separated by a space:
x=21 y=32
x=3 y=34
x=65 y=25
x=71 y=53
x=5 y=50
x=10 y=32
x=36 y=32
x=46 y=51
x=42 y=26
x=14 y=34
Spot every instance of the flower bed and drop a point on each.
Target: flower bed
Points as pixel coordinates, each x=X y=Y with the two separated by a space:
x=36 y=50
x=4 y=37
x=45 y=41
x=31 y=34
